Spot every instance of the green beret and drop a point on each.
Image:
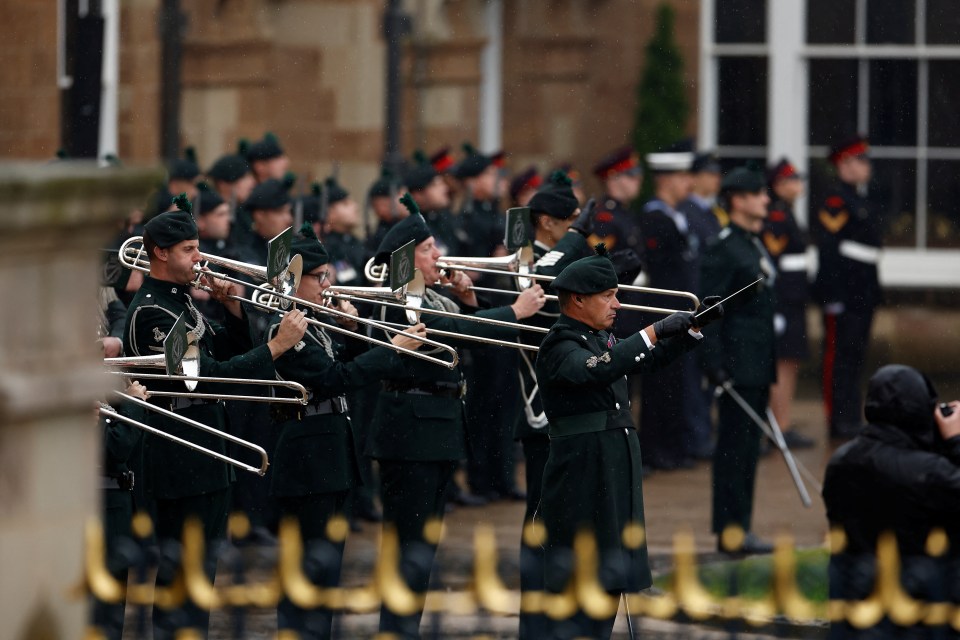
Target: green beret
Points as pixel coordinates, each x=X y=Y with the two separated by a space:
x=473 y=165
x=333 y=191
x=413 y=227
x=743 y=180
x=421 y=174
x=269 y=194
x=265 y=149
x=588 y=275
x=185 y=168
x=167 y=229
x=555 y=198
x=229 y=168
x=310 y=249
x=384 y=186
x=209 y=199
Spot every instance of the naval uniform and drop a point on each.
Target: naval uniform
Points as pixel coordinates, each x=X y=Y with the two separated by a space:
x=744 y=347
x=184 y=482
x=671 y=252
x=593 y=475
x=418 y=438
x=315 y=459
x=848 y=235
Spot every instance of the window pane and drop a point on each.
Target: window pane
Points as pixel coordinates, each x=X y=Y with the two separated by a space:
x=833 y=100
x=891 y=21
x=740 y=20
x=943 y=22
x=944 y=126
x=943 y=204
x=831 y=21
x=894 y=188
x=893 y=102
x=742 y=105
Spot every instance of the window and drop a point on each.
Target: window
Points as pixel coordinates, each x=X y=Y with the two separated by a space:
x=740 y=21
x=742 y=110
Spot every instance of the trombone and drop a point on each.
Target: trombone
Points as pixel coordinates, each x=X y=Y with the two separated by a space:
x=110 y=412
x=269 y=298
x=520 y=265
x=190 y=375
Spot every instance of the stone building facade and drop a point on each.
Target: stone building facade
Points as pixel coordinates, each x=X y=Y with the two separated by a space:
x=312 y=71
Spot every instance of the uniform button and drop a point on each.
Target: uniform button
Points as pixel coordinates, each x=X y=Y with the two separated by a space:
x=174 y=290
x=149 y=295
x=582 y=337
x=636 y=359
x=643 y=355
x=618 y=405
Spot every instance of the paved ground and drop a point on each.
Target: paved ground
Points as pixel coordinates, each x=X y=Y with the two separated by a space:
x=674 y=501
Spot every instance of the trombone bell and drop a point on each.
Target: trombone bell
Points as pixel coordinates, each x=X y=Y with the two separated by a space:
x=189 y=366
x=519 y=264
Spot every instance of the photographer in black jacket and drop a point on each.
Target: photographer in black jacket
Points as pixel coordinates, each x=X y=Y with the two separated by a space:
x=900 y=474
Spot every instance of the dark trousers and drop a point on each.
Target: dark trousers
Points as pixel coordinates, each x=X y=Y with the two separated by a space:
x=363 y=403
x=696 y=408
x=211 y=510
x=492 y=403
x=117 y=514
x=664 y=435
x=735 y=458
x=845 y=339
x=536 y=450
x=251 y=493
x=322 y=560
x=413 y=493
x=580 y=625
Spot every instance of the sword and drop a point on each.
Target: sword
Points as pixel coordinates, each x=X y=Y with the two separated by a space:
x=729 y=297
x=773 y=432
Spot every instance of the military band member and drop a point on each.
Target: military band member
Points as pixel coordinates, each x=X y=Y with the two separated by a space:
x=186 y=483
x=271 y=212
x=418 y=435
x=181 y=178
x=787 y=245
x=847 y=230
x=592 y=478
x=315 y=459
x=383 y=199
x=232 y=176
x=348 y=255
x=267 y=159
x=120 y=442
x=742 y=349
x=552 y=210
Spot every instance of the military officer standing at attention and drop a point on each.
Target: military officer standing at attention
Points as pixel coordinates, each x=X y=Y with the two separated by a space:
x=622 y=176
x=593 y=476
x=432 y=194
x=186 y=483
x=418 y=435
x=847 y=230
x=315 y=459
x=788 y=247
x=742 y=351
x=670 y=253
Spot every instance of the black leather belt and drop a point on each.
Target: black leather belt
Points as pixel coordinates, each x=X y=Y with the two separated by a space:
x=177 y=404
x=323 y=407
x=442 y=389
x=123 y=481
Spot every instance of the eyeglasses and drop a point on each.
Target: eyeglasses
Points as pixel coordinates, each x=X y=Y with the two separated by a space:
x=321 y=277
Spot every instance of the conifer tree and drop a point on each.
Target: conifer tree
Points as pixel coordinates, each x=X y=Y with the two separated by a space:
x=662 y=107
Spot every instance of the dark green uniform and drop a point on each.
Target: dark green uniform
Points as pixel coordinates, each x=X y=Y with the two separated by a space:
x=593 y=476
x=531 y=423
x=120 y=440
x=315 y=460
x=418 y=437
x=348 y=256
x=745 y=351
x=183 y=482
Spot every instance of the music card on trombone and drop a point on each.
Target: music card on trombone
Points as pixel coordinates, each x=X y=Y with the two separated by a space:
x=516 y=235
x=402 y=266
x=175 y=346
x=278 y=255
